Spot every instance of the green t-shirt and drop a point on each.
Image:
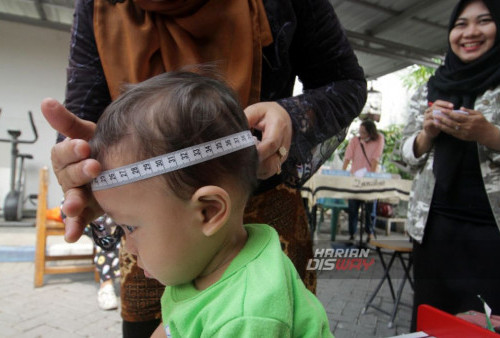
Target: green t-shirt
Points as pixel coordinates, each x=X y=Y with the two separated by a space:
x=259 y=295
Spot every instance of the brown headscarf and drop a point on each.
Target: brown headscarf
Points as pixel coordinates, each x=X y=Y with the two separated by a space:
x=138 y=39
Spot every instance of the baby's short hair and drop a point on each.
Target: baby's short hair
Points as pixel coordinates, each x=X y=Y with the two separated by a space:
x=172 y=111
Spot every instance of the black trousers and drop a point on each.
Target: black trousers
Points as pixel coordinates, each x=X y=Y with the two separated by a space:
x=456 y=262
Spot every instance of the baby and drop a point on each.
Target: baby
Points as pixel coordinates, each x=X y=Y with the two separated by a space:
x=180 y=165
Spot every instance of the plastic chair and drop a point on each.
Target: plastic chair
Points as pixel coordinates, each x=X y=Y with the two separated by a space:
x=46 y=228
x=336 y=205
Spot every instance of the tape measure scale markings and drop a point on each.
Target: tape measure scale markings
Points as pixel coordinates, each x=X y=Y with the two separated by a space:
x=173 y=161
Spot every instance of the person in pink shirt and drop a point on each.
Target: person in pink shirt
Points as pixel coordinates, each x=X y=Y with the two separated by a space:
x=364 y=152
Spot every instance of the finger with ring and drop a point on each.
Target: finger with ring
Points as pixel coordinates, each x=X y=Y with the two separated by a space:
x=457 y=127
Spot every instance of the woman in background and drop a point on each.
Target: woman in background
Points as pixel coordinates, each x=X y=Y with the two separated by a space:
x=364 y=152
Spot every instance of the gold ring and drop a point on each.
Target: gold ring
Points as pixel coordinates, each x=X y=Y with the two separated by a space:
x=282 y=152
x=279 y=168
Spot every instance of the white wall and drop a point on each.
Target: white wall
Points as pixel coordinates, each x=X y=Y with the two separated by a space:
x=33 y=64
x=395 y=99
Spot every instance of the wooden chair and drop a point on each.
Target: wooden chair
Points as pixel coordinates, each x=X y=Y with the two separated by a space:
x=46 y=228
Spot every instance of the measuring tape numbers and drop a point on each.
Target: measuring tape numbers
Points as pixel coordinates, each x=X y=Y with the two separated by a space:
x=172 y=161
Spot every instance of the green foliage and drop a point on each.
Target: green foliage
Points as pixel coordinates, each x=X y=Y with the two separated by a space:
x=417 y=76
x=341 y=148
x=392 y=137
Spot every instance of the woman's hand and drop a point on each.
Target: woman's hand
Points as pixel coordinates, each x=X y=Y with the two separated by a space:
x=73 y=167
x=276 y=127
x=471 y=126
x=430 y=129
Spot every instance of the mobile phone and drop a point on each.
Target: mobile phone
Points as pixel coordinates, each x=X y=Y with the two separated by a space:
x=437 y=112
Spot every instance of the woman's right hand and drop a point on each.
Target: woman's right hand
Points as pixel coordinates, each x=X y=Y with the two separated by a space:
x=73 y=167
x=276 y=126
x=430 y=127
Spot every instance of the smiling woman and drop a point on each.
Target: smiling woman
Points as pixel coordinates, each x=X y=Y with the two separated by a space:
x=473 y=33
x=453 y=212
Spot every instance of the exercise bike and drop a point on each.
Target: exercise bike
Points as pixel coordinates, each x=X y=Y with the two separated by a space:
x=14 y=201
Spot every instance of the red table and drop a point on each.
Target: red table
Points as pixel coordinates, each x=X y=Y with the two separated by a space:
x=440 y=324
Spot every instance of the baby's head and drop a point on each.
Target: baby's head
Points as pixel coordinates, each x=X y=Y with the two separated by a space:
x=177 y=221
x=173 y=111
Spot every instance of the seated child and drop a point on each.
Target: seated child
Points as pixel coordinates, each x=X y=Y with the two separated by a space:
x=181 y=208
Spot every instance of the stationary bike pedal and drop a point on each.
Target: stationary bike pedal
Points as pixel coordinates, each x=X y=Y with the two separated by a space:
x=14 y=133
x=28 y=156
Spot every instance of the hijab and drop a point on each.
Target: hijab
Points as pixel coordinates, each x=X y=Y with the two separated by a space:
x=137 y=39
x=460 y=83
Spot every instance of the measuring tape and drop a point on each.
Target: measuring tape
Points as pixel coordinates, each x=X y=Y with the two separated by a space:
x=172 y=161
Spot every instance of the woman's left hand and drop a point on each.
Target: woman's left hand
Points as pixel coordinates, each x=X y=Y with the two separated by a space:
x=472 y=126
x=276 y=127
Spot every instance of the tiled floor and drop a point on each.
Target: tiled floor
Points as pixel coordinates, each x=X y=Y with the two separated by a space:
x=345 y=293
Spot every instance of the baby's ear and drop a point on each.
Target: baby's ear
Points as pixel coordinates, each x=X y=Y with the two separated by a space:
x=212 y=207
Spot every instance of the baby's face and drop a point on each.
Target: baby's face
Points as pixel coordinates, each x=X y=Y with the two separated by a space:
x=160 y=229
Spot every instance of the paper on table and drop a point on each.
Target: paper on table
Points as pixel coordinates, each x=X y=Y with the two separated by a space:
x=360 y=172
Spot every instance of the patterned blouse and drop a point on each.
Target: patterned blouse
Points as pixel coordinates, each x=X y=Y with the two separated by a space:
x=308 y=43
x=423 y=185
